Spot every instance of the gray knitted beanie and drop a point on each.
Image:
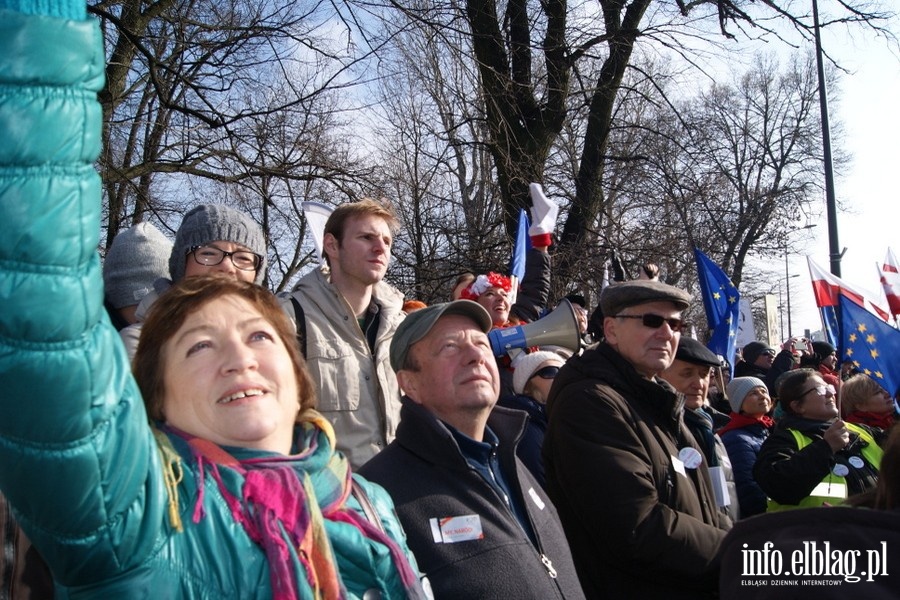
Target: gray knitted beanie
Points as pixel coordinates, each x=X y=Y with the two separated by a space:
x=138 y=257
x=738 y=388
x=214 y=222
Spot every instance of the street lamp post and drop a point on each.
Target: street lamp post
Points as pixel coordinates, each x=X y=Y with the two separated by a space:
x=787 y=280
x=834 y=246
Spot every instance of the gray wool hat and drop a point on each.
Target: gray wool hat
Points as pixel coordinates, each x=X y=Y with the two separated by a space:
x=215 y=222
x=418 y=323
x=618 y=296
x=738 y=388
x=137 y=257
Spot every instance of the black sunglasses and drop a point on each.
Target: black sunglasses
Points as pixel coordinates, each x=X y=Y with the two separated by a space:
x=546 y=373
x=655 y=321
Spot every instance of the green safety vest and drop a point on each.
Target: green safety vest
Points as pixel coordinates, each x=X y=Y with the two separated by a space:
x=832 y=489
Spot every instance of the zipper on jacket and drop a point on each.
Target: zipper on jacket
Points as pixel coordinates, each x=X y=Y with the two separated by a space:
x=548 y=564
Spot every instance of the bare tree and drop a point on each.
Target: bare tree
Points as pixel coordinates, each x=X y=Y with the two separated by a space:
x=534 y=57
x=192 y=88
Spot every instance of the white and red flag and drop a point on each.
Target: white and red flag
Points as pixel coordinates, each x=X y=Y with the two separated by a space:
x=890 y=281
x=828 y=289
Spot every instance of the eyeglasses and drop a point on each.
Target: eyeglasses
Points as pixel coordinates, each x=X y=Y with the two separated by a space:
x=769 y=352
x=210 y=256
x=655 y=321
x=821 y=390
x=546 y=373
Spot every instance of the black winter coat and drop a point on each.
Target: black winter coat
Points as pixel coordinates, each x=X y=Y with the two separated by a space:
x=640 y=525
x=430 y=480
x=788 y=475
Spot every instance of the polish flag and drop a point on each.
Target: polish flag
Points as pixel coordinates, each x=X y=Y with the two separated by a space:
x=890 y=280
x=827 y=288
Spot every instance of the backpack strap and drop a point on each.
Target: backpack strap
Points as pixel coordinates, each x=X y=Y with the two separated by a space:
x=366 y=504
x=300 y=321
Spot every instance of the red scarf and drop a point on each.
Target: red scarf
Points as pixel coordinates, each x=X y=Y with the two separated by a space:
x=881 y=420
x=740 y=420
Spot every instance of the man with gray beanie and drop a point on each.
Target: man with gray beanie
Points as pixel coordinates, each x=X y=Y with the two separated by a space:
x=477 y=521
x=137 y=257
x=213 y=239
x=630 y=483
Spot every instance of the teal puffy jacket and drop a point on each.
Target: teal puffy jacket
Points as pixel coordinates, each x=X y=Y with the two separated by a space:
x=78 y=462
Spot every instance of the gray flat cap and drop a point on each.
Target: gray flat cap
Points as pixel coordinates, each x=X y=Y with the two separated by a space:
x=619 y=296
x=418 y=323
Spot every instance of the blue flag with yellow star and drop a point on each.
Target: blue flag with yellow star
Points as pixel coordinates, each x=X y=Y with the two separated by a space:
x=872 y=344
x=721 y=301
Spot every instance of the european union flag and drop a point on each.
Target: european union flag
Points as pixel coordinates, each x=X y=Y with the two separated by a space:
x=523 y=243
x=872 y=344
x=721 y=301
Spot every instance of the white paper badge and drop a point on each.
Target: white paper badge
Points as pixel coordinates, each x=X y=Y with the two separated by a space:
x=679 y=466
x=840 y=470
x=856 y=462
x=450 y=530
x=691 y=457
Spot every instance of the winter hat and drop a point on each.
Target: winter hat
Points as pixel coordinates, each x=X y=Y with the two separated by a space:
x=692 y=351
x=525 y=366
x=738 y=388
x=138 y=257
x=823 y=349
x=213 y=222
x=419 y=323
x=752 y=351
x=483 y=283
x=616 y=297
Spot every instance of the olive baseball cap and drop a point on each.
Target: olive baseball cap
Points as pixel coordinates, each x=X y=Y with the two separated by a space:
x=418 y=323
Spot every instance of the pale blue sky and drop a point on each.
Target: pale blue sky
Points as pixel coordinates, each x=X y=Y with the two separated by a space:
x=870 y=110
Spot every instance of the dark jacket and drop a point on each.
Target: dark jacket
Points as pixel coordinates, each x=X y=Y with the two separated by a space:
x=639 y=524
x=534 y=291
x=796 y=533
x=531 y=303
x=529 y=448
x=788 y=475
x=743 y=446
x=784 y=362
x=23 y=573
x=430 y=480
x=702 y=423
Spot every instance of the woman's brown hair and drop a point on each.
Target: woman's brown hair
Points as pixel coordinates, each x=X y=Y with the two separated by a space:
x=172 y=309
x=790 y=387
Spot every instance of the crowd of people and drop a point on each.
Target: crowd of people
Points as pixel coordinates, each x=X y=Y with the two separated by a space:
x=188 y=434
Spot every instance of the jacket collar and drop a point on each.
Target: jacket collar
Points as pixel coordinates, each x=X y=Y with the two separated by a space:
x=424 y=434
x=602 y=362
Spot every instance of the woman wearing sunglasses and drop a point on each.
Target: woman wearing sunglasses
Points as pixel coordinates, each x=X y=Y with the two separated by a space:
x=533 y=375
x=813 y=458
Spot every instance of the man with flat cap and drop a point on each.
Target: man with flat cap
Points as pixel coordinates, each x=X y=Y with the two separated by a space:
x=690 y=374
x=478 y=523
x=630 y=483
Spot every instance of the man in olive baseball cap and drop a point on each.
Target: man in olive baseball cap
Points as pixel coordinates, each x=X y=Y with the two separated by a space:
x=419 y=323
x=470 y=507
